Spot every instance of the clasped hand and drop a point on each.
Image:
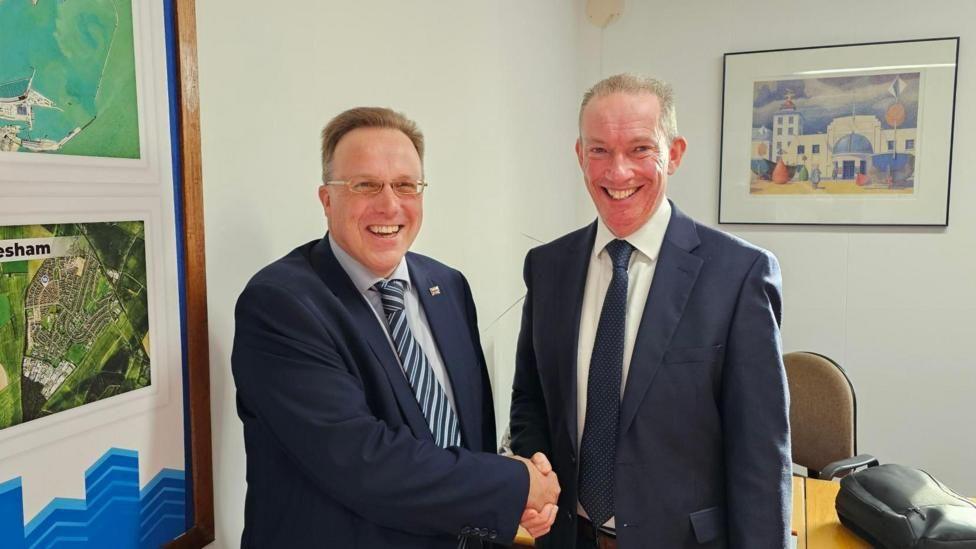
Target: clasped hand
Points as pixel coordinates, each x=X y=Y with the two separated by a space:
x=540 y=508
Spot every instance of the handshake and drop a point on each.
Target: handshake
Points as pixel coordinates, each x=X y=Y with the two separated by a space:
x=540 y=507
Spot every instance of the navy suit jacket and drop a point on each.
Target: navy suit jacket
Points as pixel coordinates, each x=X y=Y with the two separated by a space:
x=338 y=451
x=703 y=455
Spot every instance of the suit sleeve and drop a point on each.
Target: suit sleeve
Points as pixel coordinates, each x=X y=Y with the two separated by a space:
x=755 y=411
x=306 y=392
x=529 y=421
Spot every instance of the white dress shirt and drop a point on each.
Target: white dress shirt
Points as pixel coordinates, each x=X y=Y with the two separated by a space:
x=647 y=246
x=364 y=280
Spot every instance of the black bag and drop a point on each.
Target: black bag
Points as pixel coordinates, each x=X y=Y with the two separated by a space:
x=894 y=507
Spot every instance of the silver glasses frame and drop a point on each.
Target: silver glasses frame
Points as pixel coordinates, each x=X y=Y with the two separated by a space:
x=421 y=186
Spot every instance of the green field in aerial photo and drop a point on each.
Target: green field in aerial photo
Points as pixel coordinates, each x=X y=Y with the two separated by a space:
x=74 y=323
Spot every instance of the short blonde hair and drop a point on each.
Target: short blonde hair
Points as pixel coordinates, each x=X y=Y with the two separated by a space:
x=366 y=117
x=637 y=84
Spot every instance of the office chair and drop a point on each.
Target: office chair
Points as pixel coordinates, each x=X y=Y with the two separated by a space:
x=823 y=416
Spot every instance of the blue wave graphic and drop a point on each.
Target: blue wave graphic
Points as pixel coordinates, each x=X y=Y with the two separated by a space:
x=114 y=514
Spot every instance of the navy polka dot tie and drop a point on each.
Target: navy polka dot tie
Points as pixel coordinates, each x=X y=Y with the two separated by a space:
x=598 y=449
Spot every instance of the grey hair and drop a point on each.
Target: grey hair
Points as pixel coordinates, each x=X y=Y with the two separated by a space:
x=636 y=84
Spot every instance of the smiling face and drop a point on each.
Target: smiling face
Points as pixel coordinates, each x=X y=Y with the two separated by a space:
x=625 y=158
x=376 y=230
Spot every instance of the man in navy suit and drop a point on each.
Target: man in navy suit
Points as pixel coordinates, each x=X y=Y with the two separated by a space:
x=360 y=377
x=649 y=362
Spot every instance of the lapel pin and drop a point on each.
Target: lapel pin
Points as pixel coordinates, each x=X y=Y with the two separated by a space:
x=435 y=290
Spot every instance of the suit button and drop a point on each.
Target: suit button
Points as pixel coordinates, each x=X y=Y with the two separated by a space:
x=572 y=459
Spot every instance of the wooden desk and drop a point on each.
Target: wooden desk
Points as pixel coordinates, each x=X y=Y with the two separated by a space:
x=523 y=540
x=799 y=521
x=822 y=528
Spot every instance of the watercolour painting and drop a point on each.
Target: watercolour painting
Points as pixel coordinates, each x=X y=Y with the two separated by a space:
x=840 y=135
x=74 y=321
x=68 y=78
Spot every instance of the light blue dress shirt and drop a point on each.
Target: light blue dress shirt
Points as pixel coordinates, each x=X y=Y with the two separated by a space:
x=364 y=280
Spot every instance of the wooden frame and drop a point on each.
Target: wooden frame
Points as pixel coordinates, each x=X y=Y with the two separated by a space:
x=197 y=341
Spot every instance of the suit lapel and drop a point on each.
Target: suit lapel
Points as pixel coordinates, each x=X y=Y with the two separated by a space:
x=335 y=277
x=450 y=334
x=568 y=282
x=674 y=277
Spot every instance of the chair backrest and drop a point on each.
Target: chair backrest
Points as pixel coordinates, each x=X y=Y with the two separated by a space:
x=823 y=411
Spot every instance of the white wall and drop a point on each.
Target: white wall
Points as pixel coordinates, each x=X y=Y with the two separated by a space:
x=895 y=306
x=494 y=86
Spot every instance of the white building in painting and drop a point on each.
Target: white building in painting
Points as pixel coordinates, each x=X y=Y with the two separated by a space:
x=843 y=152
x=787 y=126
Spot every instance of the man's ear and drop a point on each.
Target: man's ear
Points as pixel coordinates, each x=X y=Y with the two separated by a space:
x=675 y=153
x=325 y=199
x=579 y=151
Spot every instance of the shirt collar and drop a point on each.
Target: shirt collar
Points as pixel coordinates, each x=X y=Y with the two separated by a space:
x=362 y=277
x=647 y=239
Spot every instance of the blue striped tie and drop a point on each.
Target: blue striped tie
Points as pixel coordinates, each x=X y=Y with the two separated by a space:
x=598 y=448
x=430 y=395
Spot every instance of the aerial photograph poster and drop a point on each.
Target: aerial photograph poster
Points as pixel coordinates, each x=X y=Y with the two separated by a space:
x=74 y=323
x=68 y=78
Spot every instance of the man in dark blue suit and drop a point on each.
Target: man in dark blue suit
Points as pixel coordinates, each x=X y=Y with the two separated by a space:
x=360 y=377
x=649 y=362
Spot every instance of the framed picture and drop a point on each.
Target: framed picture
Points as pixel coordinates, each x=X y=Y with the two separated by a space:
x=857 y=134
x=104 y=375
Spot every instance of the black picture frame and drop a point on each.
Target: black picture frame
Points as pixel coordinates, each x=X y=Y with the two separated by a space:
x=867 y=170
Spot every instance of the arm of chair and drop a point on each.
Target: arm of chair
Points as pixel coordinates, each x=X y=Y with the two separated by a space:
x=843 y=467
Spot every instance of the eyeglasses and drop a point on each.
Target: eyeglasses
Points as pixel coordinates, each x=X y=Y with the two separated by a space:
x=369 y=186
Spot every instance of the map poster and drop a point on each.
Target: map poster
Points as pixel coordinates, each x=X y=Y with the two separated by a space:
x=68 y=78
x=74 y=324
